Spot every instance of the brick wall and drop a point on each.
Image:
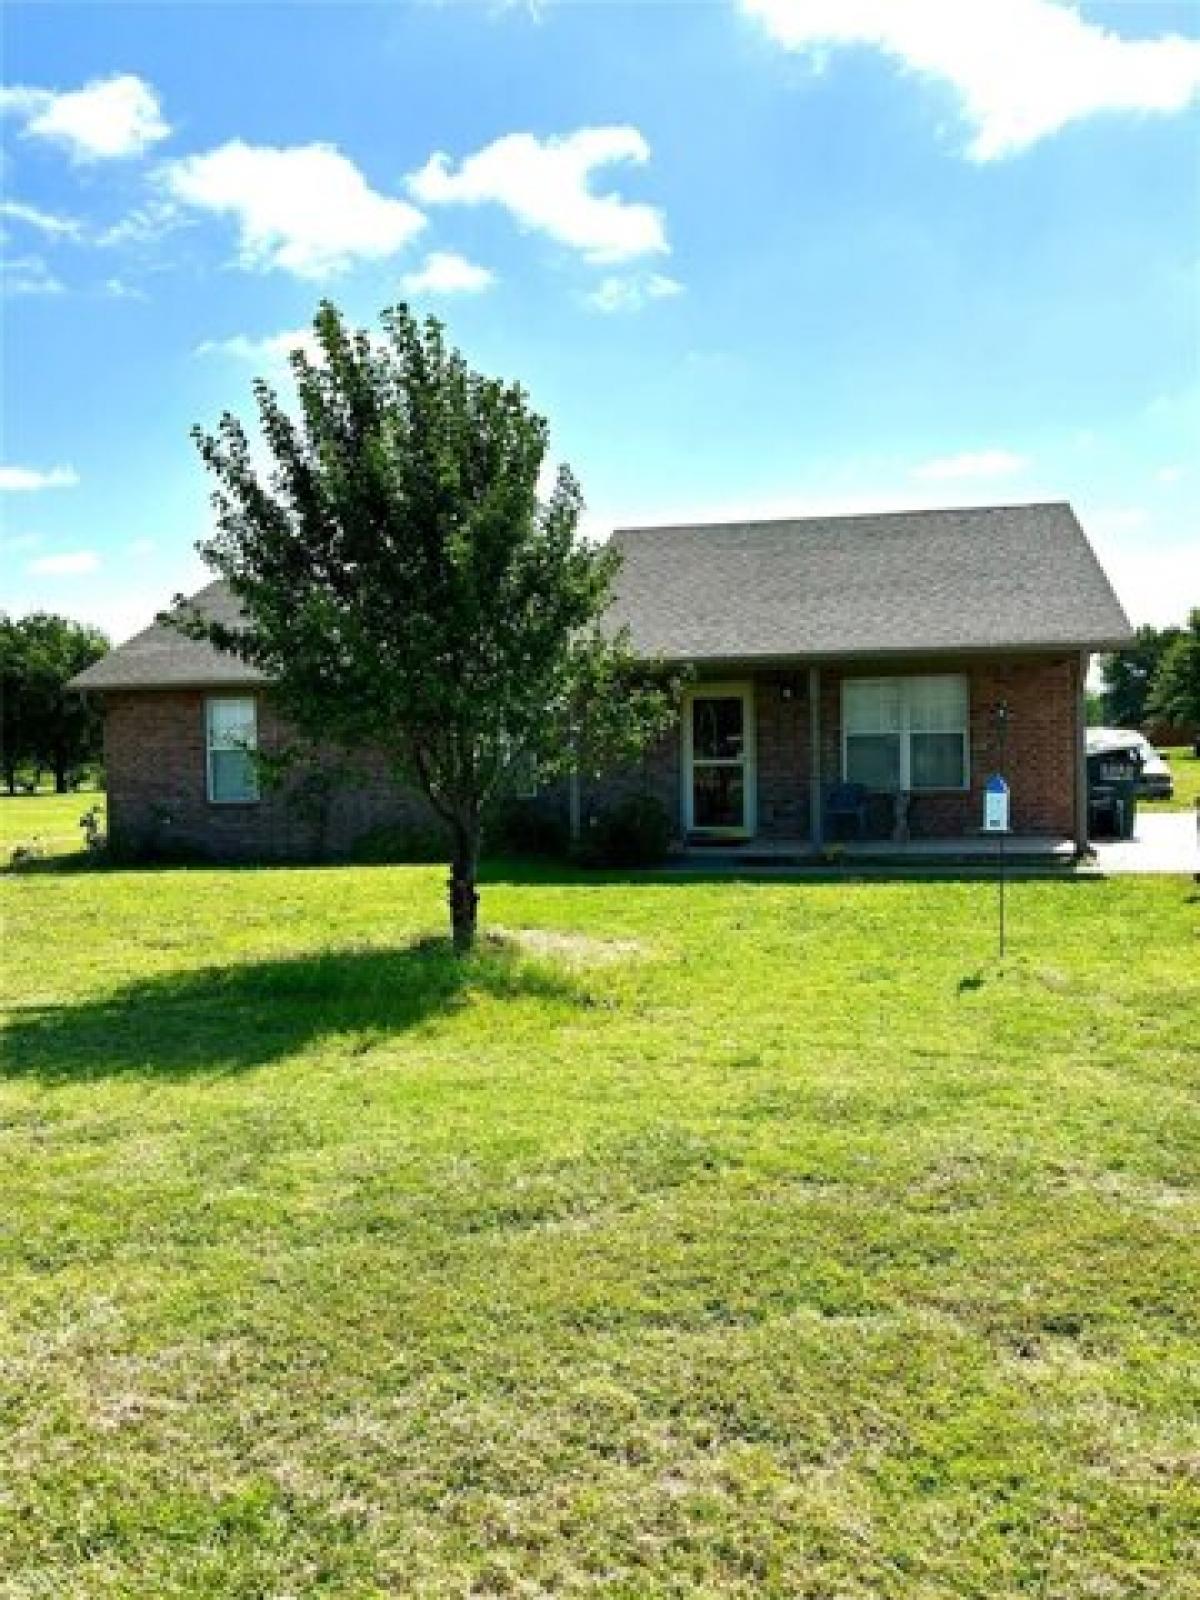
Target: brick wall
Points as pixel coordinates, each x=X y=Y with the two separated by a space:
x=155 y=762
x=1040 y=756
x=157 y=787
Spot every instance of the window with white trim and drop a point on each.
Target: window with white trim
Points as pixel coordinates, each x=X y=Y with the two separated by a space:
x=906 y=733
x=231 y=738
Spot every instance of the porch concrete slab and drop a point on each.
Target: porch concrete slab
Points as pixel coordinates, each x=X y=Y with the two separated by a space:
x=1163 y=841
x=973 y=850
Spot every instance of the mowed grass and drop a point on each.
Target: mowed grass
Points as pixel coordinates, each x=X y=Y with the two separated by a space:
x=1185 y=771
x=44 y=823
x=694 y=1239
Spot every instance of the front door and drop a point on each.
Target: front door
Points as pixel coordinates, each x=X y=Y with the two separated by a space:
x=719 y=760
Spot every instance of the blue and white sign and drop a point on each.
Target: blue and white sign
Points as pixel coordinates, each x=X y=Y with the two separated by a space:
x=995 y=805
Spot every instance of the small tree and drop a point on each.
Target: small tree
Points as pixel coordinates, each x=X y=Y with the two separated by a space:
x=46 y=725
x=405 y=589
x=1128 y=675
x=1175 y=692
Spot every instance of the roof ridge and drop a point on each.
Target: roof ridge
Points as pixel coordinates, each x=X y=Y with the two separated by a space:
x=841 y=516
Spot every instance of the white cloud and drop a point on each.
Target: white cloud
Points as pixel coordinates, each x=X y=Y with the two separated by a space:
x=306 y=209
x=17 y=480
x=631 y=293
x=44 y=221
x=971 y=464
x=141 y=547
x=118 y=289
x=143 y=226
x=1171 y=474
x=108 y=117
x=1022 y=69
x=444 y=272
x=545 y=185
x=70 y=564
x=28 y=275
x=273 y=348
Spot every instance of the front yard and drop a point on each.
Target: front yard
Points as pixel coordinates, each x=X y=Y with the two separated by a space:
x=1185 y=770
x=695 y=1238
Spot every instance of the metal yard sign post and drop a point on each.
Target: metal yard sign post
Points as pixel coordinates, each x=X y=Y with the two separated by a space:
x=996 y=803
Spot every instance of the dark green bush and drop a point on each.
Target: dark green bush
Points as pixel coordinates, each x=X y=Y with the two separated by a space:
x=394 y=843
x=529 y=828
x=635 y=832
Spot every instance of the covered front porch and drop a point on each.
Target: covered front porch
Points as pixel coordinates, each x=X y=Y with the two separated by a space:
x=883 y=759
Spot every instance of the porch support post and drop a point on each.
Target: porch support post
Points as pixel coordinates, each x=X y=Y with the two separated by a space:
x=1081 y=781
x=816 y=820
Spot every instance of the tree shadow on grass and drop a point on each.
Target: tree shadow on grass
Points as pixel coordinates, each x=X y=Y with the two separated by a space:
x=218 y=1020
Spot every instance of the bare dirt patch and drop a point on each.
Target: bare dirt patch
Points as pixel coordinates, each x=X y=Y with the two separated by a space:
x=578 y=949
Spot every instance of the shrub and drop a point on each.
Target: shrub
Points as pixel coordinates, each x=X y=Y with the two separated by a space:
x=529 y=828
x=636 y=832
x=396 y=843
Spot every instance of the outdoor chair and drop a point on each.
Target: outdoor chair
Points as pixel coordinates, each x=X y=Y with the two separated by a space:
x=847 y=802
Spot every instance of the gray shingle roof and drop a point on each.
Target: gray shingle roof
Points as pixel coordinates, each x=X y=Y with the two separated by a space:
x=985 y=578
x=162 y=658
x=982 y=578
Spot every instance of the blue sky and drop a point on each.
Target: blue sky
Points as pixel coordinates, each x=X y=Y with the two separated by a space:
x=751 y=257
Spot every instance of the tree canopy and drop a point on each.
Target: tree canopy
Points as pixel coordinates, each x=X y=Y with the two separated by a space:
x=407 y=589
x=1175 y=694
x=1128 y=676
x=45 y=725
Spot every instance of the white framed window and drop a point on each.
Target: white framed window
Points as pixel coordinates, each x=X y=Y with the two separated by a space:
x=231 y=738
x=907 y=733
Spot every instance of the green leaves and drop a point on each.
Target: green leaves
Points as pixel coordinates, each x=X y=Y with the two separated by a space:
x=1175 y=692
x=44 y=725
x=404 y=585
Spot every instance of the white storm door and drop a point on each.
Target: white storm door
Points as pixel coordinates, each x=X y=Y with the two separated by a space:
x=719 y=760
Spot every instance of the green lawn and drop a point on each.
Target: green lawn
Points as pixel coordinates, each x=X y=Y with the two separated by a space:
x=1185 y=770
x=699 y=1238
x=46 y=823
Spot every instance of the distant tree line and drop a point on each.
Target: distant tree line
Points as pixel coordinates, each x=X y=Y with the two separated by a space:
x=1157 y=680
x=45 y=727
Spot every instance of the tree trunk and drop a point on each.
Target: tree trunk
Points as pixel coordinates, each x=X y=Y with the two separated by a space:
x=463 y=894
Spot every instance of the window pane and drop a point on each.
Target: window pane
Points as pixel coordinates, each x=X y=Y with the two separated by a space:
x=873 y=759
x=937 y=705
x=231 y=725
x=937 y=761
x=718 y=797
x=872 y=705
x=233 y=775
x=717 y=729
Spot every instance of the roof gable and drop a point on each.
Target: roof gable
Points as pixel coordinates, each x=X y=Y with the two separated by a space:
x=980 y=578
x=161 y=657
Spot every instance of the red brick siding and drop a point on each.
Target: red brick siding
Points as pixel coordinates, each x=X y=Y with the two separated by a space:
x=155 y=755
x=1040 y=756
x=657 y=773
x=1040 y=759
x=155 y=761
x=781 y=737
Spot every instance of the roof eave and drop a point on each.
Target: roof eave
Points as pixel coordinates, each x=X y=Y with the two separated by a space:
x=891 y=653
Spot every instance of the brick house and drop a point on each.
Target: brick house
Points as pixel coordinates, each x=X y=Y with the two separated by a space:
x=869 y=651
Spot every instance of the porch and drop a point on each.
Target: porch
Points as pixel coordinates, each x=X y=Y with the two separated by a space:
x=1033 y=850
x=882 y=760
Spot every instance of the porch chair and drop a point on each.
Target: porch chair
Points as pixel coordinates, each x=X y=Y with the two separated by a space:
x=847 y=801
